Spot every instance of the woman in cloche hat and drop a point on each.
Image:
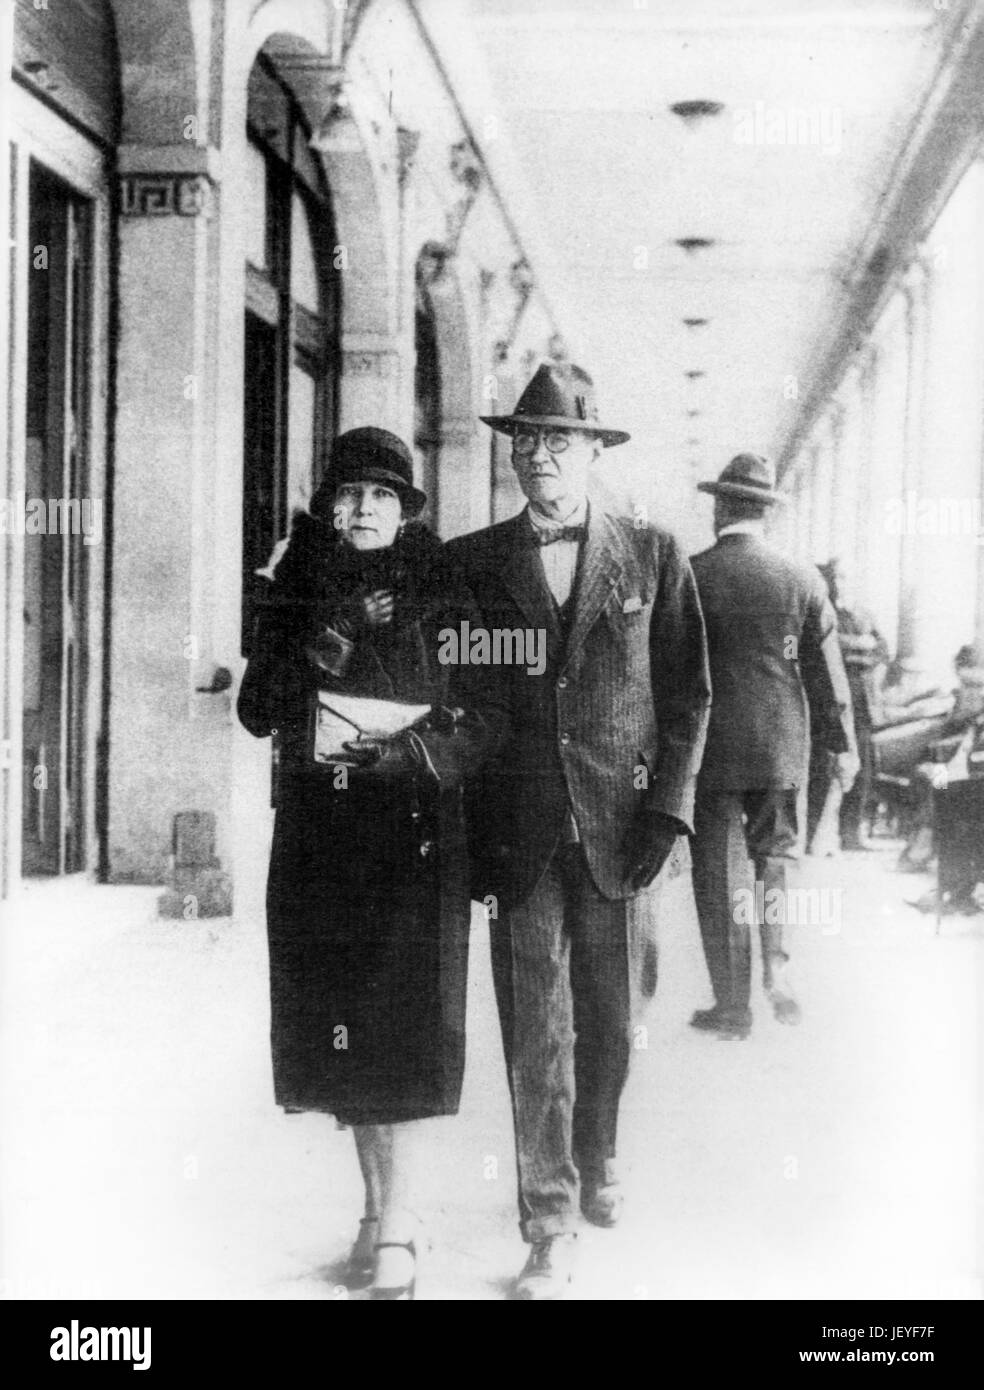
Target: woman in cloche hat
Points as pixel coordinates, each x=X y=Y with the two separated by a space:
x=367 y=898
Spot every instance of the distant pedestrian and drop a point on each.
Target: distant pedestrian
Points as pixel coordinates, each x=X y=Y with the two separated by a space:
x=865 y=654
x=778 y=680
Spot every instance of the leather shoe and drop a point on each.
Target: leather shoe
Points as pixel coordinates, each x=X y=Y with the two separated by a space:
x=779 y=993
x=548 y=1271
x=726 y=1024
x=601 y=1203
x=784 y=1006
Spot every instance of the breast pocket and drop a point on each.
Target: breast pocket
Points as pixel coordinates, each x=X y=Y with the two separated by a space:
x=629 y=610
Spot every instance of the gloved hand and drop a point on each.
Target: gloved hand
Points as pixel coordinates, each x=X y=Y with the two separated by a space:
x=377 y=607
x=331 y=651
x=384 y=757
x=352 y=615
x=444 y=720
x=647 y=847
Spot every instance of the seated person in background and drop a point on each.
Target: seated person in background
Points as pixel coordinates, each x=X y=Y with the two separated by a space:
x=835 y=818
x=904 y=691
x=953 y=756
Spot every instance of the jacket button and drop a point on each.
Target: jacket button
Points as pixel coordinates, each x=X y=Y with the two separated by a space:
x=562 y=683
x=565 y=738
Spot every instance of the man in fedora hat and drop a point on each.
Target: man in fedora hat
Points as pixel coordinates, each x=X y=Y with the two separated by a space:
x=578 y=812
x=778 y=681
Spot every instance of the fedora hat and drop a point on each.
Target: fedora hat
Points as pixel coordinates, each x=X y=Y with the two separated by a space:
x=561 y=396
x=747 y=475
x=369 y=454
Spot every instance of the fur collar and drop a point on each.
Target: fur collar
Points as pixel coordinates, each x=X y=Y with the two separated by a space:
x=318 y=565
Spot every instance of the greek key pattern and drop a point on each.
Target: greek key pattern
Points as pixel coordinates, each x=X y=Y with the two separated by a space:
x=368 y=363
x=165 y=195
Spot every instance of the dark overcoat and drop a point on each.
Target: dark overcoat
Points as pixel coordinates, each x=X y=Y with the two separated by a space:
x=367 y=898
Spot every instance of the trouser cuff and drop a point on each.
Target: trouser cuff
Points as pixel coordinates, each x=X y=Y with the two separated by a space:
x=540 y=1228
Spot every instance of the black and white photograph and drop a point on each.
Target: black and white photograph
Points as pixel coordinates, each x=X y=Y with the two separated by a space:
x=492 y=628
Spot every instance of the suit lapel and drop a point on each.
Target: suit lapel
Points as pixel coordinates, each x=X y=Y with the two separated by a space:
x=522 y=574
x=600 y=569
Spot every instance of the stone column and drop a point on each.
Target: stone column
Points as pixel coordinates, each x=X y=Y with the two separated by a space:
x=866 y=523
x=169 y=710
x=804 y=502
x=844 y=519
x=917 y=287
x=780 y=521
x=369 y=391
x=822 y=483
x=889 y=391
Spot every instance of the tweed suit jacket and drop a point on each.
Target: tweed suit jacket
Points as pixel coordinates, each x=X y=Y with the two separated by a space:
x=776 y=666
x=615 y=725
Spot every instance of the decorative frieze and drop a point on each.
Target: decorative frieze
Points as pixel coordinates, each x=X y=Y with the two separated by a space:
x=165 y=195
x=369 y=363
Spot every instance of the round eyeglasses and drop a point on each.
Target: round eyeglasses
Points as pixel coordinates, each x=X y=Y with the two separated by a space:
x=555 y=441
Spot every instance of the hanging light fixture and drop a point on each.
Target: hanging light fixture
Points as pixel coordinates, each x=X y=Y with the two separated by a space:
x=693 y=112
x=693 y=244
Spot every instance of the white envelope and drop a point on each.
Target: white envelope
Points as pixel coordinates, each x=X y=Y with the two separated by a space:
x=343 y=718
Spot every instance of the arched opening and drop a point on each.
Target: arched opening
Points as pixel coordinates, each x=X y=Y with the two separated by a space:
x=445 y=415
x=291 y=336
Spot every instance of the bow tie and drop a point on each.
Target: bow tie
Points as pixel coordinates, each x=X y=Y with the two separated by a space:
x=559 y=533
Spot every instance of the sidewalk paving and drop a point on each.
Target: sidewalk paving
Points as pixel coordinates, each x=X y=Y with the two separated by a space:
x=143 y=1156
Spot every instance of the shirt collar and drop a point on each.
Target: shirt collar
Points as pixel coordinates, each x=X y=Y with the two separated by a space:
x=577 y=517
x=740 y=528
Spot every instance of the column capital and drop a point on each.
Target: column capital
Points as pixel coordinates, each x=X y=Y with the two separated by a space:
x=522 y=282
x=183 y=158
x=467 y=169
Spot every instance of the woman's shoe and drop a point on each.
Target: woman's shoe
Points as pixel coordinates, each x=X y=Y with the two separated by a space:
x=362 y=1259
x=400 y=1293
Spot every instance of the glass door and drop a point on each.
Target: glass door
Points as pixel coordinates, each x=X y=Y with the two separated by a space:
x=55 y=621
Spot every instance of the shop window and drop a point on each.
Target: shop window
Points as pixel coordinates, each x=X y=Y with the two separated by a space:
x=65 y=60
x=291 y=352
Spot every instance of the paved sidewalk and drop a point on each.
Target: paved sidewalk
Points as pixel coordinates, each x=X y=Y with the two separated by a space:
x=143 y=1155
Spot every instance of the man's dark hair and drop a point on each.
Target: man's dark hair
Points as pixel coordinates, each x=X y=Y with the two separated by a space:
x=741 y=508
